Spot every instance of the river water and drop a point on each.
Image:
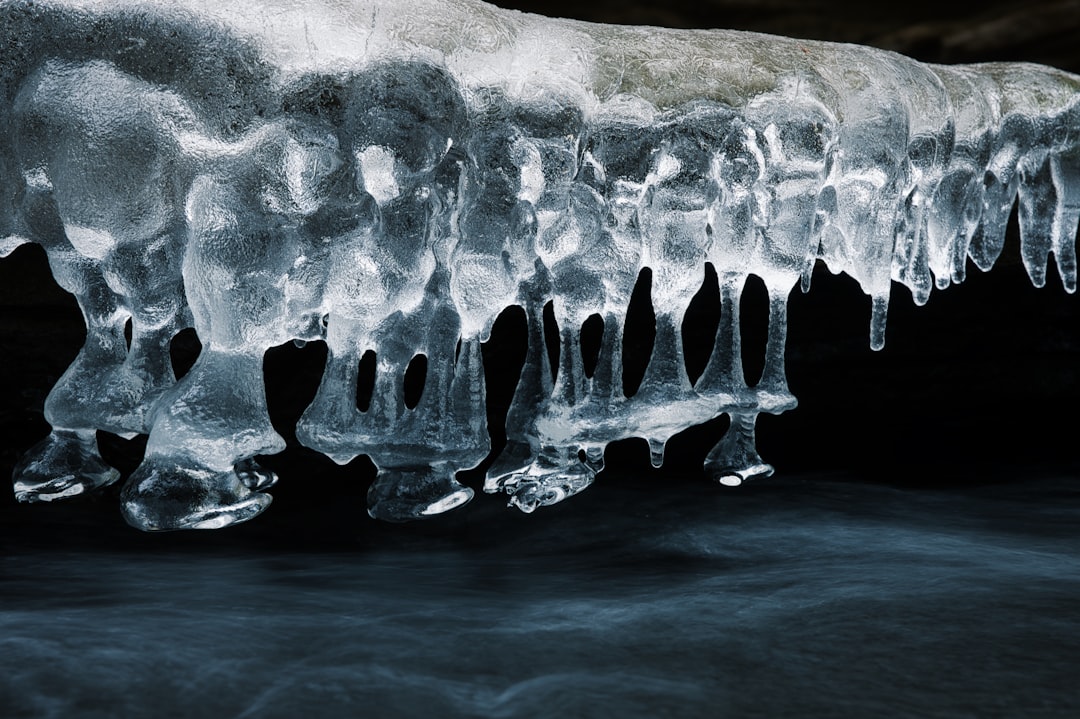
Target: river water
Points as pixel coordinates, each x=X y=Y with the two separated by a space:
x=809 y=596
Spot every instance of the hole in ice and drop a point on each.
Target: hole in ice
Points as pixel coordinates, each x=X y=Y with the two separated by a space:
x=365 y=381
x=292 y=375
x=699 y=325
x=754 y=327
x=551 y=338
x=592 y=332
x=415 y=378
x=127 y=334
x=184 y=349
x=504 y=358
x=123 y=453
x=638 y=334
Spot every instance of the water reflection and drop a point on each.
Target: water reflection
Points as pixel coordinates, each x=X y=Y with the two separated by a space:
x=801 y=597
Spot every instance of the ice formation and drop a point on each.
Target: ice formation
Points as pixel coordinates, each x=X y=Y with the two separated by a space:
x=389 y=176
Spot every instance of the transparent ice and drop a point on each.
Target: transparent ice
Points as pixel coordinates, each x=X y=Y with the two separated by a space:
x=389 y=176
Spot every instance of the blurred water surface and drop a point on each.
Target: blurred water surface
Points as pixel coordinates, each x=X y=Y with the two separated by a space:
x=805 y=596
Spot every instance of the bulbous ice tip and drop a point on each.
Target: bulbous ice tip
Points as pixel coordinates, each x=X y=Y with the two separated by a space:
x=547 y=482
x=402 y=494
x=731 y=477
x=64 y=464
x=49 y=490
x=163 y=496
x=455 y=499
x=529 y=496
x=735 y=458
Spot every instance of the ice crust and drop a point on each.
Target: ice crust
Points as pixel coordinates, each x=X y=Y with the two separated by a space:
x=390 y=176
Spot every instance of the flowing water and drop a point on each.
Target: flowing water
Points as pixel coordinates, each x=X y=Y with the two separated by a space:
x=810 y=596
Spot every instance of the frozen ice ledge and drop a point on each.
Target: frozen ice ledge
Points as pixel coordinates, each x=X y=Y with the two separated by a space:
x=390 y=176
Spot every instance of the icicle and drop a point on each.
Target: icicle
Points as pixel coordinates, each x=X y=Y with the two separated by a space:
x=879 y=313
x=1065 y=170
x=1038 y=214
x=772 y=390
x=724 y=372
x=735 y=459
